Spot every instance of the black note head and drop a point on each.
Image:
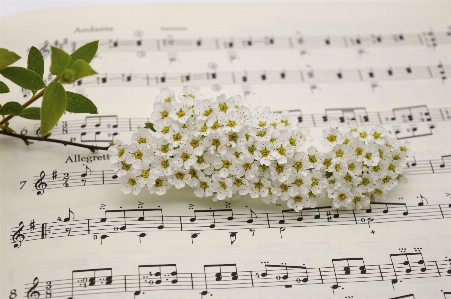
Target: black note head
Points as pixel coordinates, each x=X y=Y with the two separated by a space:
x=230 y=218
x=335 y=286
x=174 y=281
x=142 y=235
x=192 y=219
x=141 y=219
x=281 y=221
x=203 y=293
x=160 y=226
x=212 y=225
x=263 y=274
x=300 y=219
x=305 y=279
x=252 y=220
x=158 y=281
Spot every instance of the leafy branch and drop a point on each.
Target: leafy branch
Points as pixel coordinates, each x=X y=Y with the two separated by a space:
x=67 y=68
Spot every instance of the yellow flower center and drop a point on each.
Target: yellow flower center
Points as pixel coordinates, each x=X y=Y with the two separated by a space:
x=264 y=152
x=233 y=137
x=339 y=153
x=164 y=148
x=284 y=187
x=194 y=143
x=165 y=163
x=332 y=138
x=312 y=159
x=327 y=162
x=145 y=173
x=177 y=137
x=181 y=113
x=247 y=166
x=238 y=182
x=138 y=154
x=298 y=198
x=298 y=182
x=363 y=134
x=223 y=107
x=262 y=124
x=203 y=185
x=297 y=165
x=342 y=196
x=258 y=185
x=132 y=182
x=158 y=183
x=358 y=151
x=351 y=167
x=315 y=181
x=165 y=130
x=292 y=141
x=180 y=175
x=126 y=166
x=142 y=140
x=208 y=112
x=216 y=142
x=226 y=163
x=164 y=114
x=281 y=150
x=252 y=149
x=185 y=156
x=120 y=152
x=231 y=123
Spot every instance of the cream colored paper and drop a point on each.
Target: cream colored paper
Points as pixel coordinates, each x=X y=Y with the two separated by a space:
x=385 y=63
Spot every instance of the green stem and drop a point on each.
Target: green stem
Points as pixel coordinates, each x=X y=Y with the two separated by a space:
x=26 y=139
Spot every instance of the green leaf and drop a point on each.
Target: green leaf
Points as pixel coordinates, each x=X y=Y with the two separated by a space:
x=85 y=52
x=53 y=106
x=35 y=61
x=82 y=69
x=3 y=88
x=31 y=113
x=150 y=126
x=13 y=108
x=329 y=174
x=24 y=78
x=60 y=60
x=7 y=58
x=78 y=103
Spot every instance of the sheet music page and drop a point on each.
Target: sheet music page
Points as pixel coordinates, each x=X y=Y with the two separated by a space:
x=67 y=231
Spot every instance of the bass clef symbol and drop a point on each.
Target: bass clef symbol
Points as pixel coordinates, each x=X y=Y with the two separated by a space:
x=40 y=185
x=32 y=293
x=18 y=237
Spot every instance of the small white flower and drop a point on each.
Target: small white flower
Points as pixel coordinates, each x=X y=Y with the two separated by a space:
x=341 y=197
x=165 y=96
x=259 y=187
x=298 y=202
x=158 y=186
x=117 y=151
x=130 y=184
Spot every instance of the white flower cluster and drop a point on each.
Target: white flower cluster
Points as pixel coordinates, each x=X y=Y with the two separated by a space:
x=223 y=148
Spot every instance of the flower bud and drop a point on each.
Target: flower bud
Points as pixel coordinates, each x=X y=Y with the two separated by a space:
x=68 y=76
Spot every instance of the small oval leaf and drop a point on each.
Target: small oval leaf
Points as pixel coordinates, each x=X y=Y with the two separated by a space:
x=85 y=52
x=60 y=60
x=150 y=126
x=7 y=57
x=82 y=69
x=31 y=113
x=13 y=108
x=53 y=106
x=78 y=103
x=23 y=77
x=3 y=87
x=35 y=61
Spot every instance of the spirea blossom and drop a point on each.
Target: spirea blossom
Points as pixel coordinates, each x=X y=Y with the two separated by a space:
x=224 y=148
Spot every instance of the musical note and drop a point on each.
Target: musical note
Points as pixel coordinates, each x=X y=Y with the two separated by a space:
x=67 y=219
x=232 y=237
x=40 y=185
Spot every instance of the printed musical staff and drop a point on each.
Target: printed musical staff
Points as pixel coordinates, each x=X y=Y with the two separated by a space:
x=109 y=177
x=105 y=128
x=166 y=277
x=145 y=221
x=430 y=39
x=307 y=76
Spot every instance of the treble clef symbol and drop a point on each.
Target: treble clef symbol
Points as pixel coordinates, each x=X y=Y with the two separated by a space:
x=18 y=237
x=32 y=294
x=40 y=185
